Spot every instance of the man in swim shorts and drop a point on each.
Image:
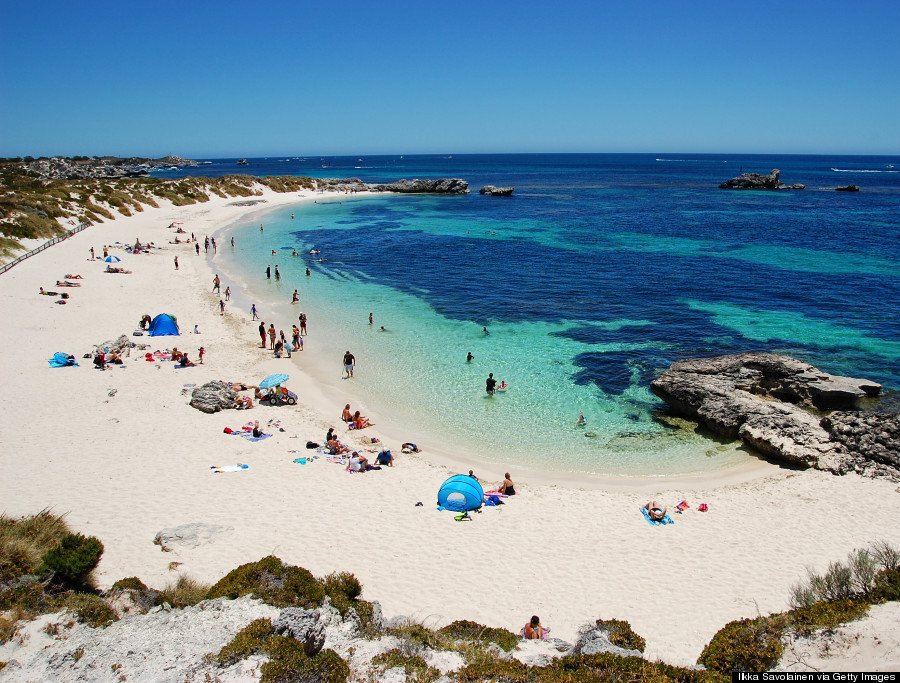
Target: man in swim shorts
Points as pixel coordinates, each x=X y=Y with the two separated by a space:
x=349 y=363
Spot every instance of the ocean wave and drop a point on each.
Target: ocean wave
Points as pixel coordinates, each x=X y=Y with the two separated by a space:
x=862 y=170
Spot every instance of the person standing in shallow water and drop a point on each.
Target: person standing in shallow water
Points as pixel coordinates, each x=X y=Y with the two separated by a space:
x=269 y=271
x=349 y=363
x=253 y=312
x=277 y=274
x=490 y=384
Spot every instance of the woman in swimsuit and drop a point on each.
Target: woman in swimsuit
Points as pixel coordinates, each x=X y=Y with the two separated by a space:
x=507 y=487
x=361 y=422
x=657 y=514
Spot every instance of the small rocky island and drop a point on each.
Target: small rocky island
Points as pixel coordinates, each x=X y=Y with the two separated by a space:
x=847 y=188
x=757 y=181
x=780 y=406
x=415 y=186
x=497 y=191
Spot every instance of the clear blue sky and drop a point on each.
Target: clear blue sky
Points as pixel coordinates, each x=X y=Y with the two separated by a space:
x=211 y=79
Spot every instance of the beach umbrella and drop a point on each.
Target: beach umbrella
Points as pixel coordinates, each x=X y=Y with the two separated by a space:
x=274 y=380
x=112 y=259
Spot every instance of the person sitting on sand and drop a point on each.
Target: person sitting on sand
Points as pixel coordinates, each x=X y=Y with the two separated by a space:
x=656 y=513
x=100 y=360
x=409 y=447
x=243 y=402
x=357 y=463
x=330 y=435
x=185 y=362
x=176 y=354
x=114 y=359
x=533 y=629
x=346 y=415
x=507 y=487
x=385 y=458
x=336 y=447
x=361 y=422
x=257 y=432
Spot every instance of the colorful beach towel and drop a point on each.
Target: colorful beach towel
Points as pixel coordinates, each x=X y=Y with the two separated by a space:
x=217 y=469
x=664 y=520
x=62 y=360
x=249 y=435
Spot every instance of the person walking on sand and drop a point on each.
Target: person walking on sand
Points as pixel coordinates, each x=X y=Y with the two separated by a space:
x=221 y=307
x=253 y=312
x=262 y=333
x=213 y=240
x=217 y=284
x=206 y=245
x=92 y=254
x=295 y=338
x=176 y=263
x=295 y=298
x=490 y=384
x=349 y=363
x=228 y=293
x=197 y=247
x=272 y=334
x=105 y=252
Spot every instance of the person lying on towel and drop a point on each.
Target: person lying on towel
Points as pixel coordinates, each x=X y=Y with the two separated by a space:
x=657 y=513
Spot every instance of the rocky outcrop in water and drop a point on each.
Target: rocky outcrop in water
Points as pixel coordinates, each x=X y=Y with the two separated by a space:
x=497 y=191
x=213 y=397
x=73 y=168
x=424 y=186
x=766 y=400
x=416 y=186
x=757 y=181
x=847 y=188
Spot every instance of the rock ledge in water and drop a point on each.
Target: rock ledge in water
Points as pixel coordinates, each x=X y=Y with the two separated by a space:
x=765 y=399
x=497 y=191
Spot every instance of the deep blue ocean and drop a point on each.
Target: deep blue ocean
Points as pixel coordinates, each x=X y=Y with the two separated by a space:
x=597 y=273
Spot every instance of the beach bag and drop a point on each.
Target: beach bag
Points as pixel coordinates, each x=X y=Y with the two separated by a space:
x=311 y=444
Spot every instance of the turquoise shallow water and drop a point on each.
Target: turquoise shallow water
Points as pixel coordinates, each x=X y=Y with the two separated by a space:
x=591 y=280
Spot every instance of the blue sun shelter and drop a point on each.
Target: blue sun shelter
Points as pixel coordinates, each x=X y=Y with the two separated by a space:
x=461 y=493
x=164 y=324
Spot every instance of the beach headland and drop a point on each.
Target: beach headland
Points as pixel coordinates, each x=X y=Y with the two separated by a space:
x=124 y=455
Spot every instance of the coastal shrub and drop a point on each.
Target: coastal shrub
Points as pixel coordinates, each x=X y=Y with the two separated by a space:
x=863 y=568
x=416 y=668
x=185 y=592
x=621 y=634
x=288 y=663
x=829 y=615
x=417 y=635
x=343 y=583
x=470 y=630
x=887 y=585
x=744 y=645
x=247 y=642
x=132 y=583
x=886 y=555
x=272 y=582
x=74 y=558
x=89 y=609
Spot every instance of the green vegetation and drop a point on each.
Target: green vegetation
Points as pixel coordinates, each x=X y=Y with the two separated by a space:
x=416 y=668
x=73 y=559
x=30 y=207
x=472 y=631
x=89 y=608
x=287 y=659
x=822 y=601
x=273 y=582
x=620 y=634
x=131 y=583
x=24 y=541
x=185 y=592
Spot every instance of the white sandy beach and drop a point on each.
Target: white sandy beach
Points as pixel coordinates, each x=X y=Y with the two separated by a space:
x=126 y=465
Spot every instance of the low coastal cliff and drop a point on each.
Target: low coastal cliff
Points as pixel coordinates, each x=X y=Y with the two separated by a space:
x=770 y=401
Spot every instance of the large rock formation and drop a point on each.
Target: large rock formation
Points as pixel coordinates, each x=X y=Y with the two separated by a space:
x=497 y=191
x=213 y=397
x=756 y=181
x=416 y=186
x=424 y=186
x=765 y=399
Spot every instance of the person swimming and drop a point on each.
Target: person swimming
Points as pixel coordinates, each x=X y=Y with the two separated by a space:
x=580 y=422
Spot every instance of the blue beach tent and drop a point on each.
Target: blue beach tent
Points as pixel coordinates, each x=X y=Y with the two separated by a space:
x=461 y=493
x=163 y=324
